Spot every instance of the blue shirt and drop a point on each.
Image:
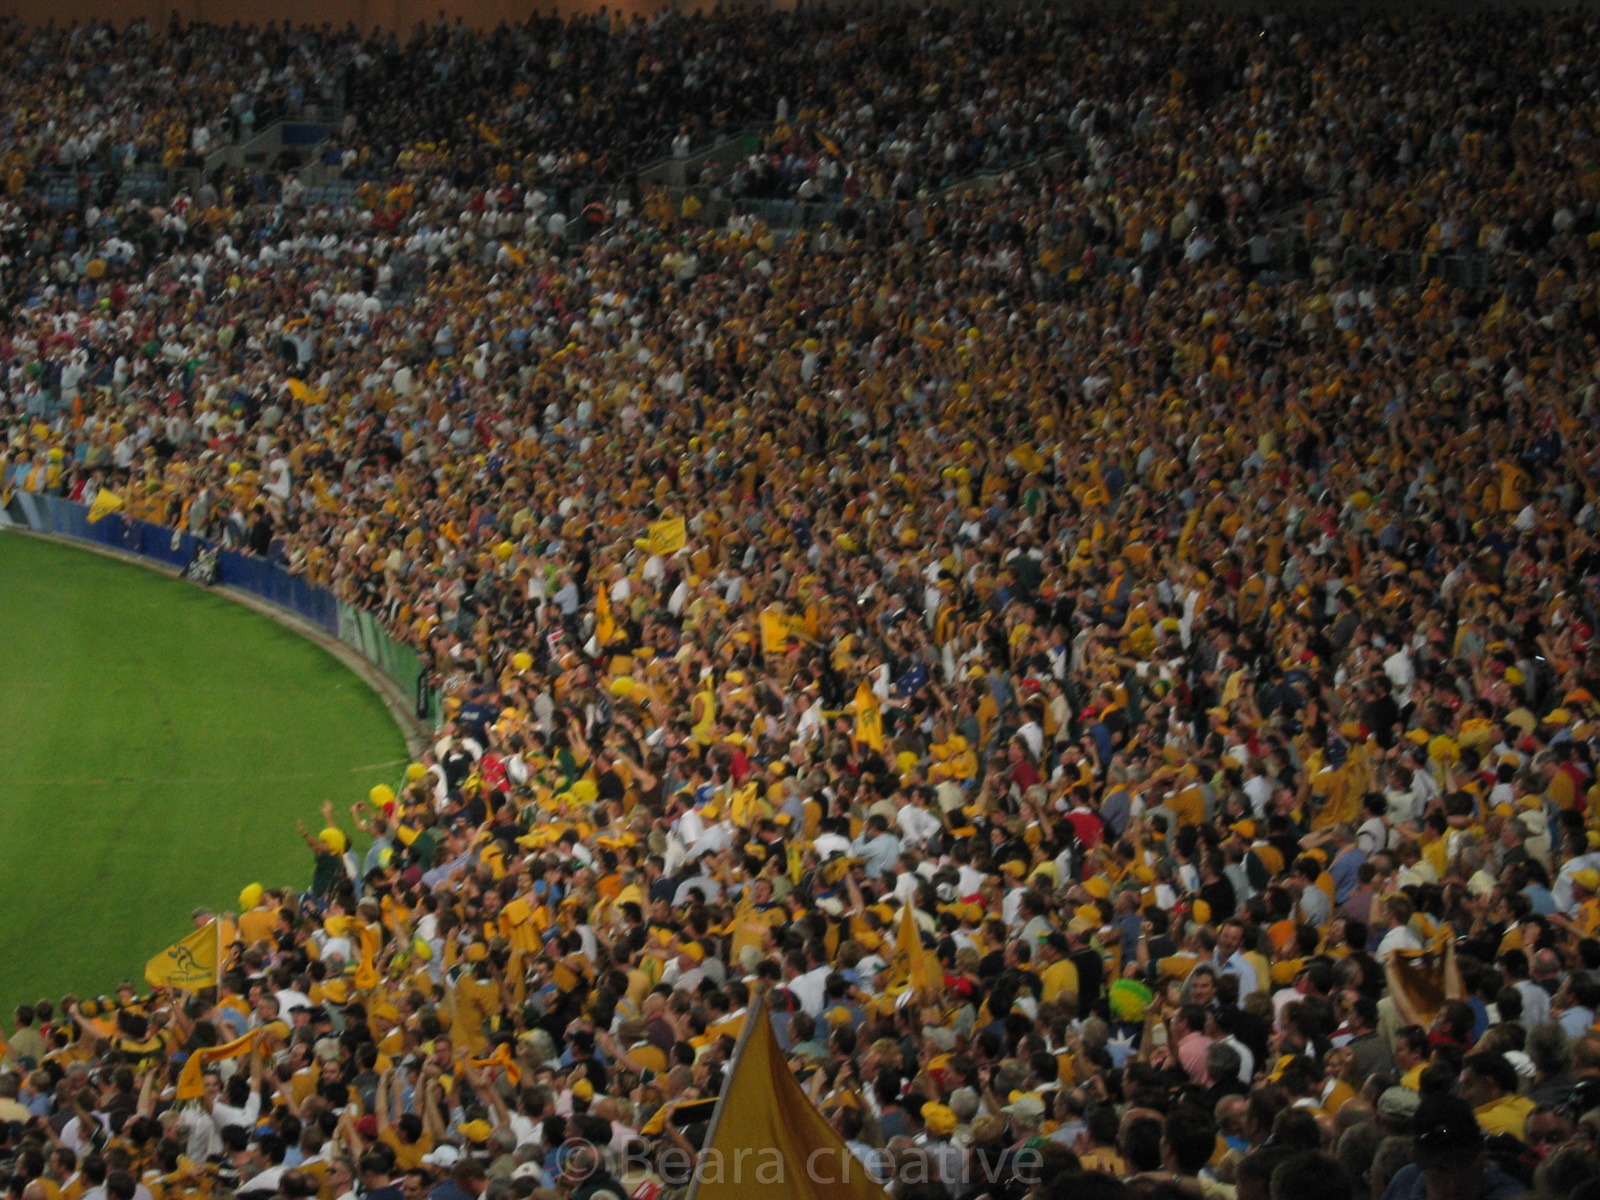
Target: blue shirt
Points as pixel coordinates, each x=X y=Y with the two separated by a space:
x=881 y=852
x=1410 y=1184
x=1576 y=1021
x=1544 y=904
x=1346 y=873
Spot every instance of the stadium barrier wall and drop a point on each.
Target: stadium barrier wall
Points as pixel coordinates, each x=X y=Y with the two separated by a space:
x=358 y=630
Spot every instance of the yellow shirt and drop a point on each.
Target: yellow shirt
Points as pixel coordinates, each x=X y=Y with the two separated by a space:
x=1057 y=978
x=1505 y=1115
x=407 y=1155
x=475 y=1000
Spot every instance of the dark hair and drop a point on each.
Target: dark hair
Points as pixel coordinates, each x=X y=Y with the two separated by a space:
x=1313 y=1176
x=1141 y=1144
x=1087 y=1185
x=1297 y=1128
x=1259 y=1164
x=1494 y=1068
x=1191 y=1135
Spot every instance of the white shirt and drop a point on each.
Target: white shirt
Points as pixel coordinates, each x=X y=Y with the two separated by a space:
x=1030 y=733
x=226 y=1114
x=809 y=727
x=917 y=825
x=829 y=844
x=810 y=990
x=1401 y=673
x=266 y=1182
x=1373 y=836
x=1561 y=890
x=1399 y=938
x=1259 y=788
x=1247 y=1058
x=1535 y=1002
x=204 y=1137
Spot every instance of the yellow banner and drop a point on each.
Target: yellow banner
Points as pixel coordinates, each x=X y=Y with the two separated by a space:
x=191 y=1080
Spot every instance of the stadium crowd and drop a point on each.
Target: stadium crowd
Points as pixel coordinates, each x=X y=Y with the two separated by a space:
x=1195 y=657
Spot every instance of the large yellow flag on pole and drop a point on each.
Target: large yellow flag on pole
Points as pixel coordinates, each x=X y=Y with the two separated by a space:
x=767 y=1140
x=190 y=963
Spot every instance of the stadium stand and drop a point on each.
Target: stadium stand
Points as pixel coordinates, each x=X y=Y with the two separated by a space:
x=1061 y=559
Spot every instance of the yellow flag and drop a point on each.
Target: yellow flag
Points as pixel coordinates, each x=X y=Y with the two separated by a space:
x=744 y=805
x=191 y=1080
x=366 y=977
x=500 y=1058
x=1421 y=981
x=768 y=1141
x=915 y=963
x=777 y=628
x=1028 y=458
x=190 y=964
x=668 y=537
x=105 y=503
x=796 y=864
x=869 y=718
x=1184 y=537
x=605 y=626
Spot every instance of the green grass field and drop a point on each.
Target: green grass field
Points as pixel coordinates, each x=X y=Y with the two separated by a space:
x=157 y=742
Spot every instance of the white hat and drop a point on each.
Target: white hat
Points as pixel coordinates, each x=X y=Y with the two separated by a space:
x=443 y=1156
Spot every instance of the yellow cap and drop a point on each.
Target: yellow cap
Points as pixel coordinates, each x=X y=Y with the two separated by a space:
x=939 y=1119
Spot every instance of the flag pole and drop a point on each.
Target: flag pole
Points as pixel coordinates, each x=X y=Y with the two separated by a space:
x=217 y=921
x=756 y=1013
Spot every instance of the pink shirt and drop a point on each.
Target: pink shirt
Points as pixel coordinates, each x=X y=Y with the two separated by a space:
x=1192 y=1055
